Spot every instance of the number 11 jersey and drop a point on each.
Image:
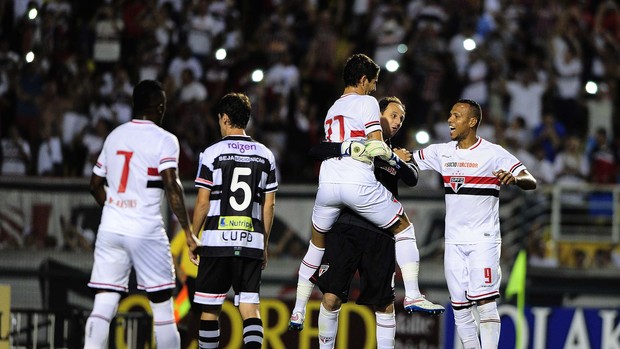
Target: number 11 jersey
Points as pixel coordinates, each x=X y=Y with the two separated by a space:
x=132 y=157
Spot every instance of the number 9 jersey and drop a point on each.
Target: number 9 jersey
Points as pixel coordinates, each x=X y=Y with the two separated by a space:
x=132 y=157
x=238 y=171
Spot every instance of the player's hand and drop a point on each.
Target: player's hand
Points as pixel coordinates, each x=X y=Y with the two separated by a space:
x=356 y=150
x=193 y=244
x=505 y=177
x=265 y=259
x=381 y=150
x=404 y=154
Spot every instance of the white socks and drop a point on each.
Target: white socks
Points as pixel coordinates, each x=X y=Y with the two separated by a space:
x=408 y=259
x=386 y=330
x=467 y=328
x=309 y=264
x=98 y=323
x=166 y=332
x=490 y=325
x=328 y=327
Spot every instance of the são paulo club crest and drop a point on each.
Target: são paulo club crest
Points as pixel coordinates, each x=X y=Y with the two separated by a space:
x=456 y=183
x=323 y=268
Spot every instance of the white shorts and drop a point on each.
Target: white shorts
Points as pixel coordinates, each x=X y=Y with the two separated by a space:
x=115 y=254
x=373 y=202
x=472 y=272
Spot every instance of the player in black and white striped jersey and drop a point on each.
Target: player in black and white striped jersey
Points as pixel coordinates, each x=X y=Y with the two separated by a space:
x=235 y=205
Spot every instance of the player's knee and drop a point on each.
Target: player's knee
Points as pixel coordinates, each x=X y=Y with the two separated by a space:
x=331 y=302
x=159 y=296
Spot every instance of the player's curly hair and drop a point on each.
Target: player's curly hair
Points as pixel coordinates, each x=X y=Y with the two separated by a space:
x=238 y=108
x=359 y=65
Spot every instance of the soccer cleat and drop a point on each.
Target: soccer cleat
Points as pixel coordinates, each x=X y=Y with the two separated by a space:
x=422 y=305
x=296 y=322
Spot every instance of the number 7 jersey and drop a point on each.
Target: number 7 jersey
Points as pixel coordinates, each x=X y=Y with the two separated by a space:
x=238 y=171
x=131 y=159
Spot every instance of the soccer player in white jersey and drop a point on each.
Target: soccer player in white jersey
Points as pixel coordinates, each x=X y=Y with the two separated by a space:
x=473 y=170
x=345 y=182
x=235 y=206
x=137 y=161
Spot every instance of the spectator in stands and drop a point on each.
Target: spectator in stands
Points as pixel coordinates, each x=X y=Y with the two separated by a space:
x=191 y=89
x=549 y=135
x=526 y=97
x=601 y=159
x=182 y=61
x=15 y=155
x=49 y=162
x=108 y=29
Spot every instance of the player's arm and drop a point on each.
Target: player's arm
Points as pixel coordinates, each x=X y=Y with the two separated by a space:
x=407 y=170
x=327 y=150
x=176 y=200
x=269 y=207
x=97 y=189
x=201 y=209
x=523 y=180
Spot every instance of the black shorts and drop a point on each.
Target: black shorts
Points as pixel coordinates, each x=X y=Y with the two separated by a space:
x=216 y=275
x=349 y=248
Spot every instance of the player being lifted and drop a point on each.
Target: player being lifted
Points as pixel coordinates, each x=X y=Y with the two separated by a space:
x=351 y=183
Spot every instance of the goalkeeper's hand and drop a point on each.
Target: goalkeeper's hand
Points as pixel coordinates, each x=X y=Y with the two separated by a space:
x=356 y=150
x=383 y=151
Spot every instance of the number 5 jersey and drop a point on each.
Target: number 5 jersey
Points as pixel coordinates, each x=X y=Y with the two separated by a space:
x=238 y=171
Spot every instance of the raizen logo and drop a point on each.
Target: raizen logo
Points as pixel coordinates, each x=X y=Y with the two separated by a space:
x=241 y=147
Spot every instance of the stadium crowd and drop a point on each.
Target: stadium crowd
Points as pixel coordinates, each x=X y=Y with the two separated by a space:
x=67 y=69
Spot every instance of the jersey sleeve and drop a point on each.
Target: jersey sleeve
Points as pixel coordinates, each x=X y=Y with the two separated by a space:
x=272 y=181
x=427 y=158
x=169 y=153
x=100 y=168
x=204 y=177
x=508 y=162
x=371 y=115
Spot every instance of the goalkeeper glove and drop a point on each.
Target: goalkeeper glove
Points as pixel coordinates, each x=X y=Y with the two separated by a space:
x=383 y=151
x=356 y=150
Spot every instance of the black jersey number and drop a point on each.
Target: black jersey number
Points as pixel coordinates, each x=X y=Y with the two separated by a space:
x=239 y=184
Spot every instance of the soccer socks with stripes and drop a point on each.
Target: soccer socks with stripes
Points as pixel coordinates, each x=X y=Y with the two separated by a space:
x=309 y=264
x=466 y=328
x=490 y=325
x=98 y=323
x=386 y=330
x=408 y=259
x=252 y=333
x=209 y=334
x=328 y=327
x=164 y=326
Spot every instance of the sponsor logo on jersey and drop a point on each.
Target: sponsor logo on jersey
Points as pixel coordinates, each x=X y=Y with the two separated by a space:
x=237 y=236
x=241 y=147
x=323 y=268
x=235 y=223
x=461 y=164
x=456 y=183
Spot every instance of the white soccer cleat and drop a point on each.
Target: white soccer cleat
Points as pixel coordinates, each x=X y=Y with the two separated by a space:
x=296 y=322
x=422 y=305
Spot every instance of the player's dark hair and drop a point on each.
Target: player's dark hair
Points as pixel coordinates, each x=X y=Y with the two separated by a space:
x=476 y=111
x=238 y=108
x=385 y=101
x=147 y=96
x=357 y=66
